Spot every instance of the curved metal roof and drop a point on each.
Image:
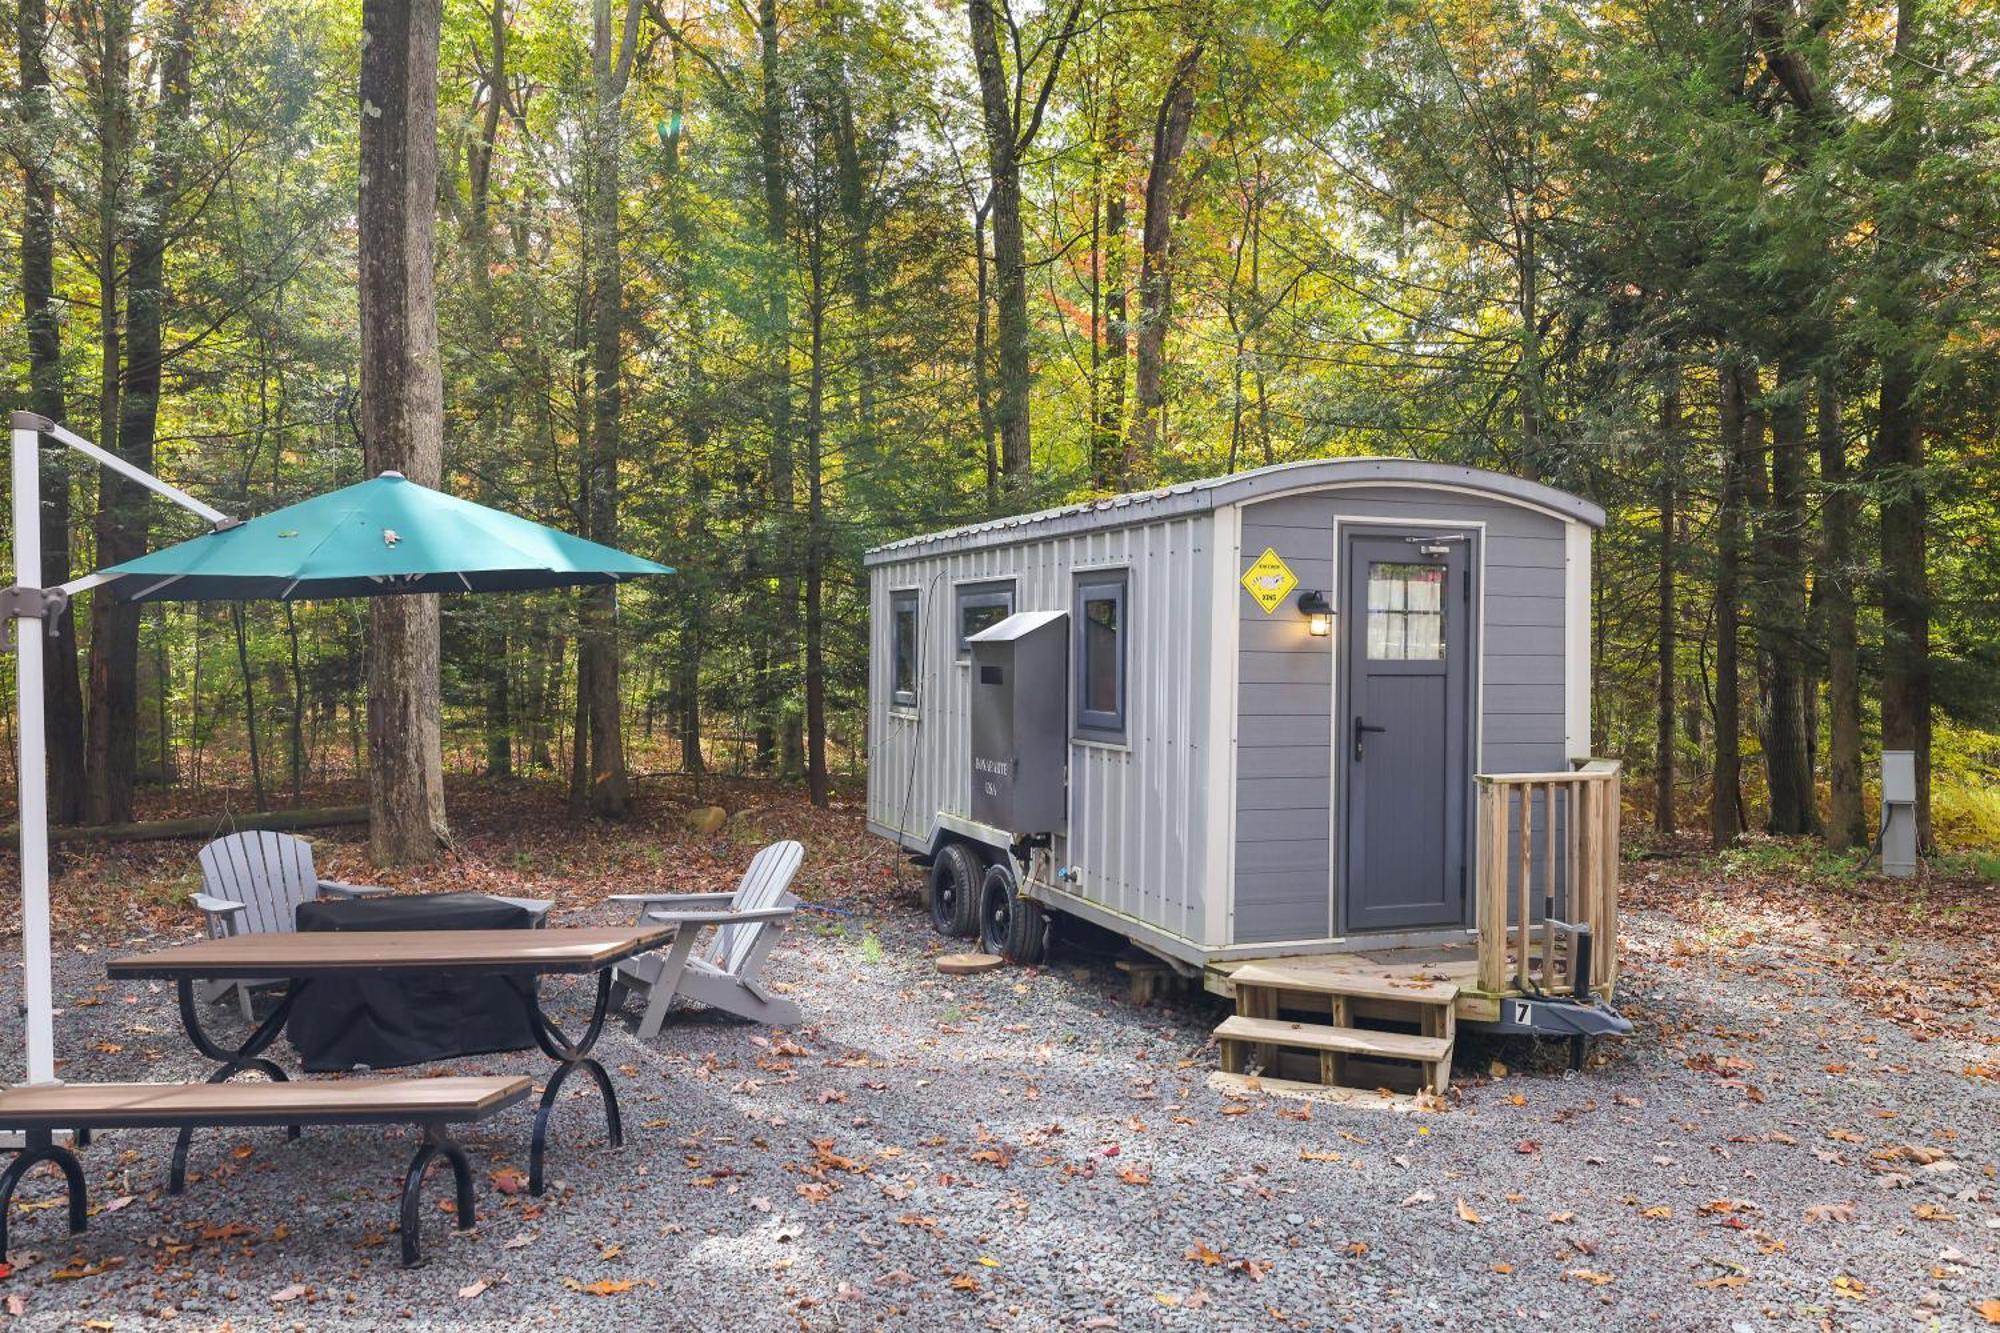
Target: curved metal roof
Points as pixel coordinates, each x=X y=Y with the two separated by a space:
x=1204 y=496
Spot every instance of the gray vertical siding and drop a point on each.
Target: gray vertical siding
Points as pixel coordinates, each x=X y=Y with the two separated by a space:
x=1138 y=812
x=1284 y=833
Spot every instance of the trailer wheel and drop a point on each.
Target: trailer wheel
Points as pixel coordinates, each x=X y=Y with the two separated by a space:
x=955 y=883
x=1010 y=925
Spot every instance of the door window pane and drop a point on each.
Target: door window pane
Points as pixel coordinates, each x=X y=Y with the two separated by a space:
x=1405 y=612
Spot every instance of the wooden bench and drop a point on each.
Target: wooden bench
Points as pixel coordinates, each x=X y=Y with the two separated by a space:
x=428 y=1103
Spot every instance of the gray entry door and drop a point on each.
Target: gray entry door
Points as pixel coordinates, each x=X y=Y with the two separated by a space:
x=1402 y=734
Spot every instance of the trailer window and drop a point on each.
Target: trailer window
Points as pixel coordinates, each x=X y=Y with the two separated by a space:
x=903 y=648
x=1101 y=629
x=981 y=606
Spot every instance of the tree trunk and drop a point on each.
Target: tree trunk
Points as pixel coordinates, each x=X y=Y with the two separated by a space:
x=1896 y=460
x=982 y=386
x=777 y=731
x=249 y=708
x=1725 y=800
x=1846 y=825
x=599 y=669
x=1664 y=822
x=1170 y=131
x=1781 y=614
x=1896 y=467
x=62 y=695
x=112 y=734
x=1108 y=433
x=496 y=662
x=402 y=410
x=815 y=682
x=1010 y=263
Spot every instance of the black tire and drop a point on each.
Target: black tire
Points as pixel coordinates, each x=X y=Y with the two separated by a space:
x=1010 y=925
x=955 y=881
x=996 y=909
x=1027 y=933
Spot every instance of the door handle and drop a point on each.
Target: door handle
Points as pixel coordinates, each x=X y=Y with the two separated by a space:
x=1361 y=729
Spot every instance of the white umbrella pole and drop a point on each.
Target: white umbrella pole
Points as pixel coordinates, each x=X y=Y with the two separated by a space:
x=33 y=771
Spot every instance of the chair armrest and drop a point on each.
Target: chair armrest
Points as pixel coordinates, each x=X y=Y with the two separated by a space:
x=672 y=899
x=216 y=906
x=699 y=918
x=340 y=890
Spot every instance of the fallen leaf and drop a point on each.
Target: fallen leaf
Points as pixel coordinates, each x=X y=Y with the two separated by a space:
x=291 y=1293
x=472 y=1289
x=520 y=1242
x=1718 y=1283
x=1466 y=1215
x=1136 y=1175
x=1255 y=1270
x=1354 y=1249
x=1853 y=1288
x=1503 y=1268
x=1201 y=1254
x=1989 y=1310
x=1831 y=1212
x=1590 y=1275
x=607 y=1287
x=508 y=1180
x=1658 y=1212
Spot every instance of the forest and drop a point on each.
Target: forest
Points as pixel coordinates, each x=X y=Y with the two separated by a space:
x=748 y=288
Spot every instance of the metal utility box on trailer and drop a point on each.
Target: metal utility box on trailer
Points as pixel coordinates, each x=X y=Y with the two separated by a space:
x=1020 y=722
x=1313 y=708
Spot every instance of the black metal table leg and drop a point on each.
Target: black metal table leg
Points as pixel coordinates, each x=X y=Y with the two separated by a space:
x=242 y=1059
x=41 y=1147
x=436 y=1144
x=569 y=1056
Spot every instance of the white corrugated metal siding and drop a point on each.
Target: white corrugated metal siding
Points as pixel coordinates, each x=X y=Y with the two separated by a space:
x=1138 y=811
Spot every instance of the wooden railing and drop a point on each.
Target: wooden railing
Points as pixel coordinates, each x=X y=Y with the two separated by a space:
x=1548 y=852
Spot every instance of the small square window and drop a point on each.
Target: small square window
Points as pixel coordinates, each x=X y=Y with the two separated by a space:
x=903 y=643
x=1405 y=612
x=981 y=606
x=1101 y=665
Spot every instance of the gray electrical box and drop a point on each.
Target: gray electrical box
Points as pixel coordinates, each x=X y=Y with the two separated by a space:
x=1899 y=813
x=1020 y=722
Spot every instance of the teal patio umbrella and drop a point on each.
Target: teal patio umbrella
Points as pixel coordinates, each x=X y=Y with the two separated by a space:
x=375 y=538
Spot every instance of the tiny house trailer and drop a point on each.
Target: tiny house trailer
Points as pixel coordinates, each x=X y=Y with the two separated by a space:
x=1303 y=732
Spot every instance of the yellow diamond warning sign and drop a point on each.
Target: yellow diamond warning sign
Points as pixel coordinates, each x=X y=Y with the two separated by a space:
x=1269 y=580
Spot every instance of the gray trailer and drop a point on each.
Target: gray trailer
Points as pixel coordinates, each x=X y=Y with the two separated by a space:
x=1328 y=715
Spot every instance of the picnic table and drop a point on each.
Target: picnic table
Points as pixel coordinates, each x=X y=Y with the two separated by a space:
x=521 y=955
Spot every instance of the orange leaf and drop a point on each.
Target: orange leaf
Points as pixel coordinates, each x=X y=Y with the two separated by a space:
x=1466 y=1215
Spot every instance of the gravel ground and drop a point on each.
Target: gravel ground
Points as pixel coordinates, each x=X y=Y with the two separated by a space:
x=1027 y=1150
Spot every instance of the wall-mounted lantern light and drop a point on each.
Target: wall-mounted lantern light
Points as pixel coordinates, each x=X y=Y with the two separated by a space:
x=1318 y=613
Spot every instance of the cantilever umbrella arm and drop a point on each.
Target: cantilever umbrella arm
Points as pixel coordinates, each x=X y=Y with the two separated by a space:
x=29 y=600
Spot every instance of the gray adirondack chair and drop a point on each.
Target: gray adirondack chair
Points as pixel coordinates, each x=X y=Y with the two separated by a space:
x=252 y=883
x=725 y=974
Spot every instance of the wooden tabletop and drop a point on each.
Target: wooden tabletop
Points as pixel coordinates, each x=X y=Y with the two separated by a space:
x=342 y=1101
x=327 y=952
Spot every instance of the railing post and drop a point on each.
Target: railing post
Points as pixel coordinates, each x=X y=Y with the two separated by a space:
x=1492 y=885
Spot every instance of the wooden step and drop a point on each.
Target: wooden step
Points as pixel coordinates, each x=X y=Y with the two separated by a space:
x=1346 y=1041
x=1321 y=980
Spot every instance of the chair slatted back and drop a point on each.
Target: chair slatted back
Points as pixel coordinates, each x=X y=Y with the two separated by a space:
x=764 y=884
x=269 y=873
